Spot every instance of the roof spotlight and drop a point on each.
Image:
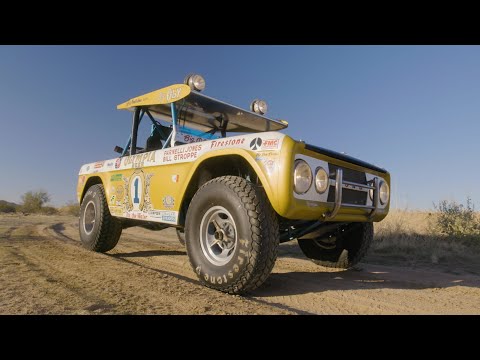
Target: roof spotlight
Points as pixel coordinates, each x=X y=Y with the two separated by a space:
x=259 y=106
x=195 y=81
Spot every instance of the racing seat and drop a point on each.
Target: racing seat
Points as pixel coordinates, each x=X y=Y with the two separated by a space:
x=154 y=142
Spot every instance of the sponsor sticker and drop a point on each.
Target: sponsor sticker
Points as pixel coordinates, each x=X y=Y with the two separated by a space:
x=227 y=142
x=182 y=153
x=169 y=216
x=119 y=190
x=116 y=210
x=138 y=160
x=163 y=215
x=175 y=178
x=168 y=201
x=118 y=162
x=99 y=164
x=187 y=138
x=137 y=215
x=256 y=144
x=264 y=144
x=116 y=177
x=269 y=144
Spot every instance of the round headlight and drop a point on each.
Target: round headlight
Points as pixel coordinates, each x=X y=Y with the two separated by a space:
x=195 y=81
x=302 y=177
x=384 y=192
x=259 y=106
x=321 y=180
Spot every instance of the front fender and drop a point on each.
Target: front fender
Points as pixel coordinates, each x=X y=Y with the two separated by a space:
x=268 y=177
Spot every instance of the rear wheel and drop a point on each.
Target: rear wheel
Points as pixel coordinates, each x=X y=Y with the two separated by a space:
x=232 y=235
x=343 y=249
x=99 y=231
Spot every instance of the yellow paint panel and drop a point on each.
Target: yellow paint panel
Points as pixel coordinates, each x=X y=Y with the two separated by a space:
x=165 y=95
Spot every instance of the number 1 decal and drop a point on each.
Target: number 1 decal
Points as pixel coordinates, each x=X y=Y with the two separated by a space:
x=136 y=200
x=136 y=190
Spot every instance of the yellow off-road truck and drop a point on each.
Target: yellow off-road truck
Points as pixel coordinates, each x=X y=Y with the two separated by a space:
x=232 y=185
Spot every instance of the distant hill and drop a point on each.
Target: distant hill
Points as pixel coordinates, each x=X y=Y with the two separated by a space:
x=6 y=206
x=4 y=202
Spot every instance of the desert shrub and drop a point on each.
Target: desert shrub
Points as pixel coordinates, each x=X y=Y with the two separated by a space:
x=7 y=208
x=32 y=201
x=414 y=238
x=48 y=210
x=71 y=208
x=457 y=220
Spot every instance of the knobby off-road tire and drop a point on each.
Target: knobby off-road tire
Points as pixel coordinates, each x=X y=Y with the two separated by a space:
x=348 y=249
x=99 y=231
x=181 y=237
x=237 y=214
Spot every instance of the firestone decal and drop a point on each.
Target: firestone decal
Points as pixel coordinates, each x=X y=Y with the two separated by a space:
x=227 y=142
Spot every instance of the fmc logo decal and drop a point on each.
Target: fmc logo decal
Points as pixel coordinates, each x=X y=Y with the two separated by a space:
x=256 y=144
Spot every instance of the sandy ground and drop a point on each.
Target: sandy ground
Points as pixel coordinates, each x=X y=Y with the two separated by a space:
x=44 y=270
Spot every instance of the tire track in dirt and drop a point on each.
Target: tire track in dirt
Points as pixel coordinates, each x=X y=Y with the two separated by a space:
x=97 y=283
x=44 y=269
x=180 y=270
x=305 y=288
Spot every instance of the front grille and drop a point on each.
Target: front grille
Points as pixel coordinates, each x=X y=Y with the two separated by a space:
x=349 y=196
x=348 y=174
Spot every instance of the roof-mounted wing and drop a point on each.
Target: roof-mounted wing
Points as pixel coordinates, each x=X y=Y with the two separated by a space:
x=201 y=112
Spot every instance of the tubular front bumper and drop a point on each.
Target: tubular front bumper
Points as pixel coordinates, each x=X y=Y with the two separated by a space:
x=340 y=184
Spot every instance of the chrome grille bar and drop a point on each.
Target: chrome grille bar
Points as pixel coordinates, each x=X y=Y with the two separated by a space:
x=340 y=184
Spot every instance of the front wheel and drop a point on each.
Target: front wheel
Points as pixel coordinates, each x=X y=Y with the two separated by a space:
x=341 y=250
x=232 y=235
x=99 y=231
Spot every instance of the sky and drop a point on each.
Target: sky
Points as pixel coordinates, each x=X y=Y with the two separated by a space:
x=414 y=110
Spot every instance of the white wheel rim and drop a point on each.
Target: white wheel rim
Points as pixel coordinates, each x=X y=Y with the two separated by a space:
x=89 y=217
x=218 y=235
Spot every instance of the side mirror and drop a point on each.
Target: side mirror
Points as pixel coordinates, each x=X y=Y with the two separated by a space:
x=118 y=149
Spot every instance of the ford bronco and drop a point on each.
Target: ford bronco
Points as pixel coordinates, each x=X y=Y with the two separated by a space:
x=232 y=185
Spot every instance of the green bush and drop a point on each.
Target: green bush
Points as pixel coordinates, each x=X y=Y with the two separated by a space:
x=456 y=220
x=32 y=202
x=48 y=210
x=71 y=208
x=7 y=208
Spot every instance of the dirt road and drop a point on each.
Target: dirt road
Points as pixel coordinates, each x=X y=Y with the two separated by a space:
x=44 y=270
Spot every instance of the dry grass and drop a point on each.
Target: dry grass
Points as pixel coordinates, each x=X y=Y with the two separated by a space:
x=411 y=238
